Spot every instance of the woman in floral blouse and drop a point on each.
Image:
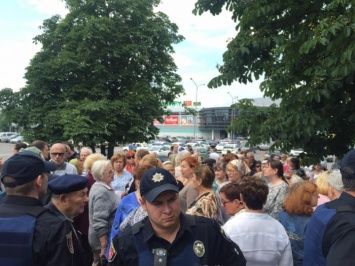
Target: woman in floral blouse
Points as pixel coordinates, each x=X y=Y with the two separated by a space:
x=207 y=203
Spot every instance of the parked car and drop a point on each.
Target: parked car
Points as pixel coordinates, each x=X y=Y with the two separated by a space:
x=264 y=146
x=245 y=147
x=160 y=143
x=203 y=152
x=139 y=146
x=160 y=150
x=204 y=144
x=194 y=144
x=233 y=148
x=220 y=146
x=296 y=152
x=16 y=139
x=5 y=136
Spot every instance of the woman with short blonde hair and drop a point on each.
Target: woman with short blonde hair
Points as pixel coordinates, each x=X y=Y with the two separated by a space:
x=236 y=170
x=103 y=203
x=322 y=187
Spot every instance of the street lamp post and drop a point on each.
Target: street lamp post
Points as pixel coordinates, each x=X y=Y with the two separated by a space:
x=232 y=112
x=195 y=120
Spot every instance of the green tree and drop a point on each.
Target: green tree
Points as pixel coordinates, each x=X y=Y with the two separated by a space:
x=305 y=52
x=9 y=102
x=104 y=72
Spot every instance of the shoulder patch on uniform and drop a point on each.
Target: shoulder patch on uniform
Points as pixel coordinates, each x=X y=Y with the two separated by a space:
x=70 y=245
x=112 y=253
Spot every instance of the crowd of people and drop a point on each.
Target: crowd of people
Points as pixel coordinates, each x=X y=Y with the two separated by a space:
x=65 y=207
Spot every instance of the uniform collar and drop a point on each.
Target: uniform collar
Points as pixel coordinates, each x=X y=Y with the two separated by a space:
x=22 y=200
x=184 y=226
x=54 y=208
x=348 y=198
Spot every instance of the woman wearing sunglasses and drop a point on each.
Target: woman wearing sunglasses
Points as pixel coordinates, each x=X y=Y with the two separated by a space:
x=130 y=163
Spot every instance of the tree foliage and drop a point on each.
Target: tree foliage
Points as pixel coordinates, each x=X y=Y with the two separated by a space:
x=305 y=52
x=104 y=73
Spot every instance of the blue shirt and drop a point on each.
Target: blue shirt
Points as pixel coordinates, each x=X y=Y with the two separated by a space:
x=119 y=183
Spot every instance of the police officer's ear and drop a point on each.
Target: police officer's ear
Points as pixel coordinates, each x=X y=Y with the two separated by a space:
x=242 y=199
x=39 y=181
x=136 y=183
x=142 y=201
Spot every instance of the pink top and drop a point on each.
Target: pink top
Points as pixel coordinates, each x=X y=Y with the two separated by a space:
x=322 y=199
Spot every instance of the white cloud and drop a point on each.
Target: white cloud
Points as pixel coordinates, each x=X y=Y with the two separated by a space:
x=196 y=57
x=49 y=7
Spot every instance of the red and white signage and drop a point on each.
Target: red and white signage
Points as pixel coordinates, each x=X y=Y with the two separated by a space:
x=171 y=120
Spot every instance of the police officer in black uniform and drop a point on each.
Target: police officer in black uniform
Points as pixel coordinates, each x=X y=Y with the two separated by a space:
x=168 y=237
x=69 y=197
x=45 y=241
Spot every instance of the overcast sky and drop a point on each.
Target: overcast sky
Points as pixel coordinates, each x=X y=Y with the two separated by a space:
x=205 y=42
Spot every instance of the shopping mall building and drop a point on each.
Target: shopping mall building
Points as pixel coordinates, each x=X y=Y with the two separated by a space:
x=210 y=122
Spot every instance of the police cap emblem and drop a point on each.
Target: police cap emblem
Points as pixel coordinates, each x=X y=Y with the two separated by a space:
x=158 y=177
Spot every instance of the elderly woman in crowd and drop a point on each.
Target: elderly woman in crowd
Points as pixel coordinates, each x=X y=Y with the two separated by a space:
x=278 y=187
x=131 y=164
x=262 y=239
x=103 y=203
x=322 y=188
x=82 y=221
x=230 y=195
x=336 y=185
x=178 y=159
x=169 y=166
x=236 y=170
x=121 y=177
x=207 y=202
x=79 y=162
x=188 y=194
x=297 y=210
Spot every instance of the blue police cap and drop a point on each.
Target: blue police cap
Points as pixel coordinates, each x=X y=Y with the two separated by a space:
x=24 y=167
x=67 y=183
x=155 y=181
x=347 y=165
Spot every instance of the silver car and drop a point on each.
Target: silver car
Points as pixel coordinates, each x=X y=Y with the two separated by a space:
x=203 y=152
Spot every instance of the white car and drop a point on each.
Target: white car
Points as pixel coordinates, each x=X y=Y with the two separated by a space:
x=194 y=144
x=138 y=145
x=6 y=136
x=296 y=152
x=264 y=146
x=160 y=150
x=16 y=139
x=220 y=146
x=204 y=144
x=233 y=148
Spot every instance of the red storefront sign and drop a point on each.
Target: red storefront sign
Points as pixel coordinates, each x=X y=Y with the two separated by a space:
x=171 y=120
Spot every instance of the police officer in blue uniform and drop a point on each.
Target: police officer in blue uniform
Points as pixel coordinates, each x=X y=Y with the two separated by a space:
x=168 y=237
x=69 y=197
x=29 y=233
